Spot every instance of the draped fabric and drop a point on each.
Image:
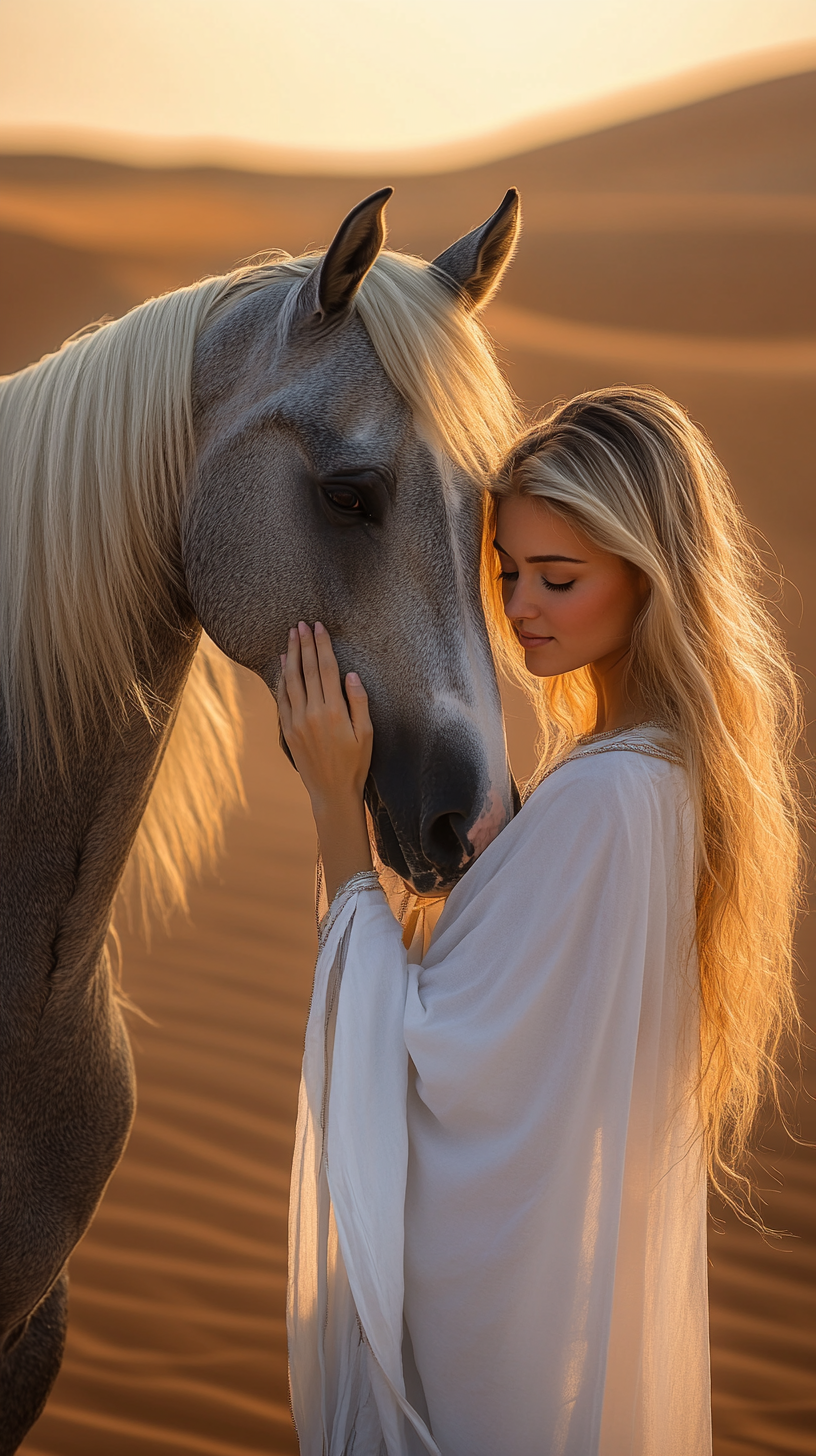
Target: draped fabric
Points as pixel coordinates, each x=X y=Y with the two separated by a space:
x=497 y=1226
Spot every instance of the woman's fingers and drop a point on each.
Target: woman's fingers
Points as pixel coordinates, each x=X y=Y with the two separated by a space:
x=329 y=734
x=329 y=671
x=293 y=674
x=310 y=680
x=311 y=670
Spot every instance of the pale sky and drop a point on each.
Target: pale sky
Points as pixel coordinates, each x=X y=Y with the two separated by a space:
x=351 y=75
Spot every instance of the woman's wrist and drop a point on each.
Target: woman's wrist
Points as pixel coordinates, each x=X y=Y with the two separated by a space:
x=342 y=832
x=338 y=807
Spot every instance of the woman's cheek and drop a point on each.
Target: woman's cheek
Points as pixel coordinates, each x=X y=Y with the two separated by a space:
x=588 y=620
x=577 y=612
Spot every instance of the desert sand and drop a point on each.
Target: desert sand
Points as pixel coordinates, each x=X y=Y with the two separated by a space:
x=677 y=251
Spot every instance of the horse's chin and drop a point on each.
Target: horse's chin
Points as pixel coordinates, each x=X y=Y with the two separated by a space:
x=433 y=883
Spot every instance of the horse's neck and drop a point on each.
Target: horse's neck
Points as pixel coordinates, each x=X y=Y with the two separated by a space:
x=66 y=840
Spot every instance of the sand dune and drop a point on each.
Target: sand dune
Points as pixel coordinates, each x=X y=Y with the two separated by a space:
x=676 y=250
x=647 y=348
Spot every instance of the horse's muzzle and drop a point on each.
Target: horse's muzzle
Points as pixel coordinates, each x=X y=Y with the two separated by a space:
x=434 y=812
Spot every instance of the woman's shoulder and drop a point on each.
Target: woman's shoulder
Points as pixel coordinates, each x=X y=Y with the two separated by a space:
x=623 y=797
x=632 y=763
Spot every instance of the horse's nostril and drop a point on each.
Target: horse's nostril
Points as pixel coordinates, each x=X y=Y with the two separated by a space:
x=446 y=839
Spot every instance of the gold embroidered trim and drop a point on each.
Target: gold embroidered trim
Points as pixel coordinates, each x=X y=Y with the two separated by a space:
x=587 y=738
x=649 y=750
x=363 y=880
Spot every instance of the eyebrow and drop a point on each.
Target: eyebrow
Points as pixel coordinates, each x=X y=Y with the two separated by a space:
x=531 y=560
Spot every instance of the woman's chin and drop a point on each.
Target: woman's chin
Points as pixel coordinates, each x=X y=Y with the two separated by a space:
x=539 y=661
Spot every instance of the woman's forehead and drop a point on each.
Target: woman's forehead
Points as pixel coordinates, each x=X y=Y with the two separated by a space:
x=532 y=520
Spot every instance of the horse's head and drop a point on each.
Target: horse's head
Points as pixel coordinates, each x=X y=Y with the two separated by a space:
x=336 y=412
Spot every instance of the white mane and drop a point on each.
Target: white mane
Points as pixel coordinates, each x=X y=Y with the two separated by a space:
x=96 y=445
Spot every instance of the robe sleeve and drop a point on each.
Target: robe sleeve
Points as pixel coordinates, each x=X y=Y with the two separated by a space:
x=347 y=1206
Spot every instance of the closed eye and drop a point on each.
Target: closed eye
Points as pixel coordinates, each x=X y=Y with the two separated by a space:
x=556 y=586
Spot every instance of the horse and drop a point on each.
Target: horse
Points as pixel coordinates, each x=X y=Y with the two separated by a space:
x=302 y=438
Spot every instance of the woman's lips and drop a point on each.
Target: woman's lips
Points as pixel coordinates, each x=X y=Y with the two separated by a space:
x=528 y=641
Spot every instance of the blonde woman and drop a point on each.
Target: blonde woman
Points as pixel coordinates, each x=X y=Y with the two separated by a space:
x=498 y=1225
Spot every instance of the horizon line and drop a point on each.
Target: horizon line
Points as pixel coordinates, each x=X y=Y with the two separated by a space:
x=671 y=93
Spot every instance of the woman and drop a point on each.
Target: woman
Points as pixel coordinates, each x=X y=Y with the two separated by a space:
x=498 y=1212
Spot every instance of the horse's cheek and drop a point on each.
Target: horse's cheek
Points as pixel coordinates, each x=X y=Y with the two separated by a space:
x=243 y=555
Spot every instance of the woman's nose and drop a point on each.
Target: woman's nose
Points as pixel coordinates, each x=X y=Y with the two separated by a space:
x=517 y=608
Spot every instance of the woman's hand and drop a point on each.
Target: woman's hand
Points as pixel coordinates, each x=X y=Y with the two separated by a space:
x=331 y=744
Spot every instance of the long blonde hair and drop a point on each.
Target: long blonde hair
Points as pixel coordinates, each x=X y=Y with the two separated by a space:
x=629 y=469
x=96 y=447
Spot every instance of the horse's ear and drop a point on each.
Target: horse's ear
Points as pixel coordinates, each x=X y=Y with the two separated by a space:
x=476 y=264
x=356 y=244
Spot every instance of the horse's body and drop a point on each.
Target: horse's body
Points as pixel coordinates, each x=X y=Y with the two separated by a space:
x=293 y=441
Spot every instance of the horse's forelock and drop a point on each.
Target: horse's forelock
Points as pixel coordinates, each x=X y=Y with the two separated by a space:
x=435 y=352
x=440 y=359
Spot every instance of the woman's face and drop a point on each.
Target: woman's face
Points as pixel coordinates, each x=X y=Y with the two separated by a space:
x=569 y=602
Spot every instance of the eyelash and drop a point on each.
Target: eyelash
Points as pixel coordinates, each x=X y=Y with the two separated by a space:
x=556 y=586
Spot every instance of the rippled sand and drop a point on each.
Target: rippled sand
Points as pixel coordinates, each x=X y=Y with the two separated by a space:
x=675 y=251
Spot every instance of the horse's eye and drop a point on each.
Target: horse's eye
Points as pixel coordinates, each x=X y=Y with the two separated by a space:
x=346 y=500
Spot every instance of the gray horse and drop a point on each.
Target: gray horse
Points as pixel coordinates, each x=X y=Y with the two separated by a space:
x=303 y=438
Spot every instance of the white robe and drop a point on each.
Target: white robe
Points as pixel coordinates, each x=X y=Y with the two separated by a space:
x=498 y=1149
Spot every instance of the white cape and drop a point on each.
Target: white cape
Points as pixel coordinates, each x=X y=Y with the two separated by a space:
x=497 y=1224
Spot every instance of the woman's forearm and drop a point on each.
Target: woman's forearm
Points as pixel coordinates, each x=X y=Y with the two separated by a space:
x=344 y=844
